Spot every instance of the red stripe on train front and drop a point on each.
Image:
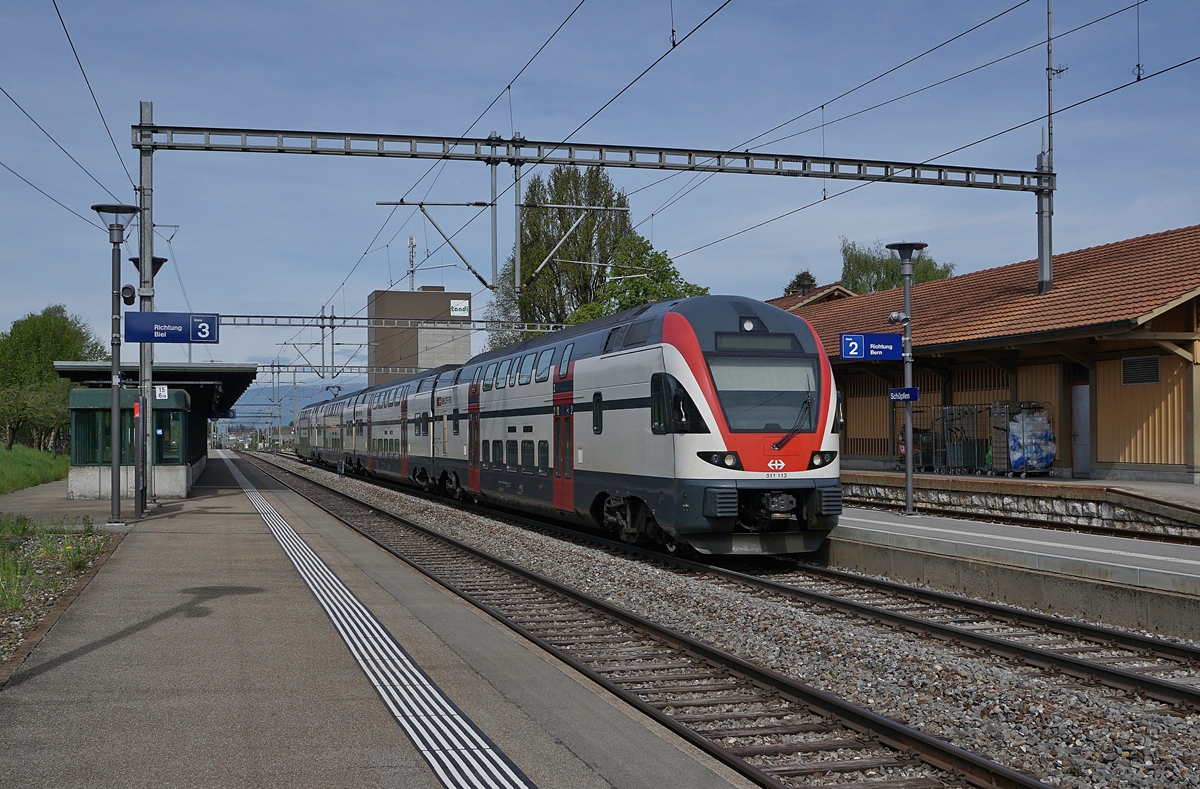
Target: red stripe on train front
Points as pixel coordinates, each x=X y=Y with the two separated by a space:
x=754 y=449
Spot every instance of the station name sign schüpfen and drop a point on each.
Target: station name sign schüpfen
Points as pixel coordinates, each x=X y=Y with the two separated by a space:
x=171 y=327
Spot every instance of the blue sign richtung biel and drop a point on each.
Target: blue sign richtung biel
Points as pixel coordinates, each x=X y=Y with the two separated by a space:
x=171 y=327
x=873 y=347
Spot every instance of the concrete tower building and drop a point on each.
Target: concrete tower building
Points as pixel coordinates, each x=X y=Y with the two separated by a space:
x=424 y=347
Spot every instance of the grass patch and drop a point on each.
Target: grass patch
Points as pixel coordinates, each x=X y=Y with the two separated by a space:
x=36 y=559
x=23 y=467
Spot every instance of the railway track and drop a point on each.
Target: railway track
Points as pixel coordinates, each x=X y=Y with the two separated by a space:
x=1161 y=670
x=776 y=731
x=1164 y=671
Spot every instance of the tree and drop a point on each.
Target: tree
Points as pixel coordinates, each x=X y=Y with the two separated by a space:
x=31 y=393
x=868 y=269
x=801 y=283
x=640 y=274
x=560 y=289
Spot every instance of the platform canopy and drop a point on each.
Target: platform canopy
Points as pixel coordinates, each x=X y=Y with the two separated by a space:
x=213 y=388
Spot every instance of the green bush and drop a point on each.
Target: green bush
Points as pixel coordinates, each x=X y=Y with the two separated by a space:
x=23 y=467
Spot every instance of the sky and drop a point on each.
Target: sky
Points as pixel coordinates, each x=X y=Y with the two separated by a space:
x=269 y=234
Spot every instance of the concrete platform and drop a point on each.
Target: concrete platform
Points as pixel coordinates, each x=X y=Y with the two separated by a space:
x=1127 y=506
x=197 y=657
x=1133 y=583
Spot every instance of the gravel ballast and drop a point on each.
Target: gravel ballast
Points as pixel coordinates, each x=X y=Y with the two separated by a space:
x=1056 y=729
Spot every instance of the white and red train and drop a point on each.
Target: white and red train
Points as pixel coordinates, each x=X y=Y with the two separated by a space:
x=710 y=422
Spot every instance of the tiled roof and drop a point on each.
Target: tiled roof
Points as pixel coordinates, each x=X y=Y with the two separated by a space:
x=1121 y=282
x=830 y=292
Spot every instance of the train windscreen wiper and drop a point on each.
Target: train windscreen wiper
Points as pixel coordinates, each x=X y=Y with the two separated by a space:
x=801 y=420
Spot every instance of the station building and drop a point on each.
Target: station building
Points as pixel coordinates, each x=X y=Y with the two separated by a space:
x=1112 y=347
x=196 y=393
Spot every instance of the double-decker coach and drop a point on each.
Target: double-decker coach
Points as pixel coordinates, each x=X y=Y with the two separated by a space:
x=708 y=422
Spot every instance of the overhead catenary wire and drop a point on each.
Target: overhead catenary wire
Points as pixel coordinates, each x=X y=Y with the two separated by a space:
x=42 y=129
x=44 y=194
x=692 y=184
x=557 y=146
x=94 y=99
x=491 y=104
x=885 y=179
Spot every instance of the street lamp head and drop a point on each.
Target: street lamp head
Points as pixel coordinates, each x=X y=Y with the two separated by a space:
x=907 y=250
x=113 y=214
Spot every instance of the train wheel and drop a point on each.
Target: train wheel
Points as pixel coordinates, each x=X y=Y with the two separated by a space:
x=618 y=519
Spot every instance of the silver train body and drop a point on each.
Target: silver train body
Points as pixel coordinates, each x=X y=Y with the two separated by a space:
x=708 y=422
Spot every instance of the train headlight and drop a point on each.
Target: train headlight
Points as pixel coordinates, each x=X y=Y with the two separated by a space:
x=821 y=459
x=728 y=460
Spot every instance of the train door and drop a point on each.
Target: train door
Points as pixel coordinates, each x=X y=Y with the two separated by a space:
x=564 y=456
x=404 y=432
x=369 y=445
x=473 y=452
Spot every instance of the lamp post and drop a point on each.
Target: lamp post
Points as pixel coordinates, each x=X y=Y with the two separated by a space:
x=907 y=252
x=116 y=218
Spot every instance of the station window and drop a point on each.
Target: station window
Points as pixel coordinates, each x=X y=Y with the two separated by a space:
x=564 y=364
x=598 y=413
x=543 y=450
x=489 y=376
x=542 y=372
x=513 y=461
x=527 y=369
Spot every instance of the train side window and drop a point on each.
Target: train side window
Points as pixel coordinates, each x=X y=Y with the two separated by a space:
x=421 y=384
x=512 y=461
x=614 y=339
x=457 y=375
x=543 y=449
x=527 y=456
x=542 y=371
x=564 y=364
x=475 y=380
x=672 y=409
x=527 y=369
x=489 y=376
x=502 y=373
x=455 y=421
x=516 y=368
x=638 y=333
x=485 y=453
x=598 y=413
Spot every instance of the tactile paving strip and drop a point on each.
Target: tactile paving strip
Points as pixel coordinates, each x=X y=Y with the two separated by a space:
x=454 y=747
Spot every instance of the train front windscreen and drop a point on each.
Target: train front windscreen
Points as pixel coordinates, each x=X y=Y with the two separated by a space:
x=766 y=394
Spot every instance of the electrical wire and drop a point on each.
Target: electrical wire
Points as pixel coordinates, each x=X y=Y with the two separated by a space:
x=61 y=205
x=56 y=142
x=492 y=103
x=981 y=140
x=688 y=187
x=94 y=99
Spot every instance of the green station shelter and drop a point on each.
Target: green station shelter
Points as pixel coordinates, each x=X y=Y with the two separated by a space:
x=196 y=393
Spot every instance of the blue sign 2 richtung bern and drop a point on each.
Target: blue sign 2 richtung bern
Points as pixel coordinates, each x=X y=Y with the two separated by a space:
x=873 y=347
